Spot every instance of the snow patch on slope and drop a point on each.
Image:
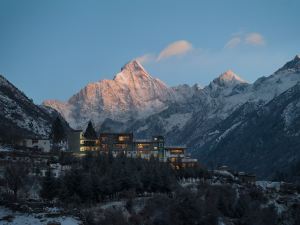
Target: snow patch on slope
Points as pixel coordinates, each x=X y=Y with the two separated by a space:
x=177 y=120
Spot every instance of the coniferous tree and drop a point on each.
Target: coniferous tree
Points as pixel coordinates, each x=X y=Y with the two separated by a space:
x=58 y=132
x=90 y=132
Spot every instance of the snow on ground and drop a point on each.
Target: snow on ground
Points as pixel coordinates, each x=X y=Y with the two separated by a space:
x=5 y=148
x=268 y=185
x=33 y=219
x=114 y=204
x=224 y=173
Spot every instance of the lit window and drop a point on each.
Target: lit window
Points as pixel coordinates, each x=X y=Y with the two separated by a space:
x=176 y=151
x=122 y=146
x=123 y=138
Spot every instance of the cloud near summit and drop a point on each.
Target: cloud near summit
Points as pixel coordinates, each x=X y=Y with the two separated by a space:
x=176 y=48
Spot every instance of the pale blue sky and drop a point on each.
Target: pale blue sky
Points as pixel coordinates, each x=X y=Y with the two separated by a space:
x=51 y=49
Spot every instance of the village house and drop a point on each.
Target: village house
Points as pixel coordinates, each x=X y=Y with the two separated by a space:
x=43 y=145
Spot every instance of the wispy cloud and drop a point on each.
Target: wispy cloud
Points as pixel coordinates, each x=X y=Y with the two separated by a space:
x=254 y=39
x=174 y=49
x=233 y=42
x=144 y=59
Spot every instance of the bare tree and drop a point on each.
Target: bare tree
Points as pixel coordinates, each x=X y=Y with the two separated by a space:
x=15 y=176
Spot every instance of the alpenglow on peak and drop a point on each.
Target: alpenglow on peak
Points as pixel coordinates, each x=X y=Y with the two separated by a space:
x=132 y=71
x=228 y=78
x=133 y=65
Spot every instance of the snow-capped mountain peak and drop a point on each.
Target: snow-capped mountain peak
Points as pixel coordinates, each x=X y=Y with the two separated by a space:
x=131 y=93
x=132 y=71
x=133 y=66
x=229 y=75
x=228 y=78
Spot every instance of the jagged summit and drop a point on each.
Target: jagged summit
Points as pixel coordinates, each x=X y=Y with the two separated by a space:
x=291 y=66
x=228 y=78
x=133 y=65
x=132 y=71
x=230 y=75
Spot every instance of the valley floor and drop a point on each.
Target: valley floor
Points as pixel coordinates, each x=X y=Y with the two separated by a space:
x=9 y=217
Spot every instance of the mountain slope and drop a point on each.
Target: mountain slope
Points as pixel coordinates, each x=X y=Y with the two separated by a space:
x=19 y=116
x=201 y=103
x=220 y=104
x=262 y=140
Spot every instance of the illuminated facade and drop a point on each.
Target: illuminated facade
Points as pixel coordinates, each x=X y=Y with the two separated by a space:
x=148 y=148
x=177 y=157
x=78 y=143
x=124 y=144
x=116 y=143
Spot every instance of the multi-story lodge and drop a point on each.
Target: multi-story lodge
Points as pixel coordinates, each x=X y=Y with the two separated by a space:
x=124 y=144
x=116 y=143
x=178 y=158
x=77 y=142
x=147 y=148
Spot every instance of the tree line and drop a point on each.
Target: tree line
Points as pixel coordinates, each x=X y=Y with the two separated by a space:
x=97 y=177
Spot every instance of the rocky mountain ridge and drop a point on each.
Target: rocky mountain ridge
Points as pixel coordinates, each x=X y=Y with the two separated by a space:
x=20 y=117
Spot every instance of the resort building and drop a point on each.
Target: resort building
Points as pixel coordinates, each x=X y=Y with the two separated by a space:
x=124 y=144
x=116 y=143
x=177 y=157
x=77 y=142
x=147 y=148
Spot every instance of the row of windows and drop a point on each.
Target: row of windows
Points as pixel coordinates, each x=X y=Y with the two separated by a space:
x=88 y=148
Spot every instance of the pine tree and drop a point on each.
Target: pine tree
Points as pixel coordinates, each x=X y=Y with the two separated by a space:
x=58 y=132
x=90 y=132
